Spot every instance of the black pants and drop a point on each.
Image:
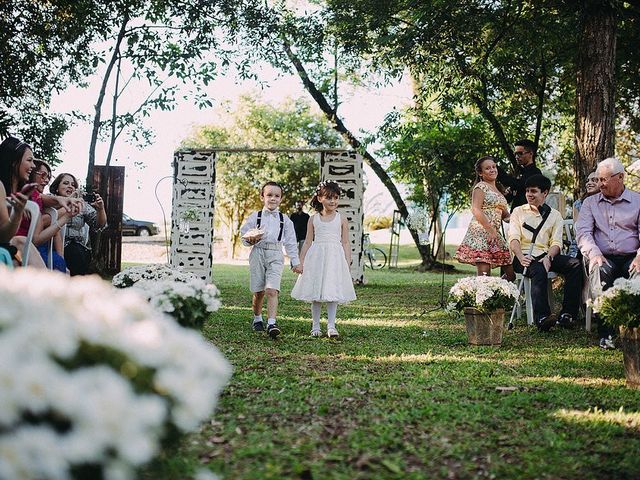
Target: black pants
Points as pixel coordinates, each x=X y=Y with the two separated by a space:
x=618 y=267
x=566 y=266
x=77 y=258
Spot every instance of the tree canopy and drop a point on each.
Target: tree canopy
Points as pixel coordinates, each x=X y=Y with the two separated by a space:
x=239 y=175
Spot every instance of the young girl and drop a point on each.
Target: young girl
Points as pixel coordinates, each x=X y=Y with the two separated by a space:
x=324 y=259
x=483 y=246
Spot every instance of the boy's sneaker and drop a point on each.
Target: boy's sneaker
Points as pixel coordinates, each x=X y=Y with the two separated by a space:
x=272 y=330
x=606 y=343
x=258 y=326
x=565 y=320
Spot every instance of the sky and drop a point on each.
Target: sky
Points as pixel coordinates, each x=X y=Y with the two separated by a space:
x=362 y=109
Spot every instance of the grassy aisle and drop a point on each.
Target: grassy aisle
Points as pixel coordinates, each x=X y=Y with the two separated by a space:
x=402 y=396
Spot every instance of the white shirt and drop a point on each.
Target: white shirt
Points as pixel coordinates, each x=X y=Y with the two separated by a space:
x=270 y=222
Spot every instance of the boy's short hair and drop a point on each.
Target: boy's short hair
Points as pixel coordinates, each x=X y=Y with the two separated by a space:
x=271 y=184
x=539 y=181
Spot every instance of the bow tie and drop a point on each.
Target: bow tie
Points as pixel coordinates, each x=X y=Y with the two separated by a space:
x=269 y=212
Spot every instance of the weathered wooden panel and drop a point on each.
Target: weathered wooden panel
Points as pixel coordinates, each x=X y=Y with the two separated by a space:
x=109 y=183
x=346 y=169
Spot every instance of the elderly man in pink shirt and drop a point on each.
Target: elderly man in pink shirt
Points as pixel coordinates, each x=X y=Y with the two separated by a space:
x=608 y=232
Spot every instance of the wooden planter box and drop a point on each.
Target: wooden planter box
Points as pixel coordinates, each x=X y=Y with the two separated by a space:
x=630 y=341
x=484 y=328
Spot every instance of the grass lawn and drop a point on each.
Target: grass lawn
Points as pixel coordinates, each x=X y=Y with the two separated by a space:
x=402 y=396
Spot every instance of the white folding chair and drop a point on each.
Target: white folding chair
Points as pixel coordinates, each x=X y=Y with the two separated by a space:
x=54 y=218
x=568 y=226
x=34 y=211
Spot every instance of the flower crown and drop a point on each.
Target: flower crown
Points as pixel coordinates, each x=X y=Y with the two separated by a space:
x=326 y=183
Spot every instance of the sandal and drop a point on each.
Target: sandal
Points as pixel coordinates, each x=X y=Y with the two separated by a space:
x=316 y=332
x=332 y=332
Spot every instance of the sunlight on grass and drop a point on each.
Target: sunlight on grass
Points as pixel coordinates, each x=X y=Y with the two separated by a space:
x=414 y=358
x=630 y=420
x=585 y=381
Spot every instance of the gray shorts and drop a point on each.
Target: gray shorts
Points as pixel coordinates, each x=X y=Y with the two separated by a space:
x=265 y=268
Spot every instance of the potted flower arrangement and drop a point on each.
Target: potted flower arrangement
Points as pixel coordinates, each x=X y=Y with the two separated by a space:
x=95 y=382
x=619 y=307
x=483 y=301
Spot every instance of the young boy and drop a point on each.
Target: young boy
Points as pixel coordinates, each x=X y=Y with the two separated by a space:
x=545 y=255
x=266 y=260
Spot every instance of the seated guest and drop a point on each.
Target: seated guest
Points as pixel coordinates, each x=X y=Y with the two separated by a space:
x=608 y=233
x=592 y=187
x=16 y=163
x=545 y=255
x=77 y=248
x=41 y=175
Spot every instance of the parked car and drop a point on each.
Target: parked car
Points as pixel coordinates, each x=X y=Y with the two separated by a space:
x=140 y=228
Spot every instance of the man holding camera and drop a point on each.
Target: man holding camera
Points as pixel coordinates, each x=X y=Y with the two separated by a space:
x=525 y=152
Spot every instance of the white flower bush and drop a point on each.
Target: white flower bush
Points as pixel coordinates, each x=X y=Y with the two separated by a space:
x=190 y=303
x=419 y=220
x=159 y=271
x=187 y=298
x=94 y=380
x=620 y=304
x=483 y=293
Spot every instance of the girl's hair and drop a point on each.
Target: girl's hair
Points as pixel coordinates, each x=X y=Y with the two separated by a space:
x=325 y=189
x=478 y=168
x=38 y=164
x=53 y=188
x=11 y=152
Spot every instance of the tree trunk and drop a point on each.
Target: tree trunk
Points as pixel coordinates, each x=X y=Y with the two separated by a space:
x=339 y=126
x=595 y=89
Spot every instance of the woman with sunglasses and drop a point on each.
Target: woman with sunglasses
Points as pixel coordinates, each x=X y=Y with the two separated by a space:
x=40 y=175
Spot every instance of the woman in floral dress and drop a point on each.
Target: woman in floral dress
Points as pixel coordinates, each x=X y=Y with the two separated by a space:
x=483 y=246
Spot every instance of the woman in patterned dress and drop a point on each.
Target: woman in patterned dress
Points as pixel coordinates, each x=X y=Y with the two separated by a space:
x=483 y=245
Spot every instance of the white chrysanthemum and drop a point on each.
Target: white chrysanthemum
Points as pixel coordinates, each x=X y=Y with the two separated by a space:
x=100 y=372
x=478 y=292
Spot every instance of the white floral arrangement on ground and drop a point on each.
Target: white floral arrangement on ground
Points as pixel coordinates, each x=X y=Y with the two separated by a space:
x=159 y=271
x=94 y=380
x=187 y=298
x=482 y=293
x=620 y=304
x=190 y=303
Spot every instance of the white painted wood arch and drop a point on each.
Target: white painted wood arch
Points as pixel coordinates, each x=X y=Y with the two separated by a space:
x=194 y=181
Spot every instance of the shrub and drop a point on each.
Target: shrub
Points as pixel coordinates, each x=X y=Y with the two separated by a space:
x=187 y=298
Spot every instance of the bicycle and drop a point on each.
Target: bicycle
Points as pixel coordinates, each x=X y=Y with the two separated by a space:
x=374 y=257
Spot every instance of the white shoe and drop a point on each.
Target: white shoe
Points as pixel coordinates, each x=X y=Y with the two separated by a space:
x=316 y=332
x=332 y=332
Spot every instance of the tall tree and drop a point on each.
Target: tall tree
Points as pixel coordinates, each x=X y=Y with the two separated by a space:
x=149 y=49
x=595 y=87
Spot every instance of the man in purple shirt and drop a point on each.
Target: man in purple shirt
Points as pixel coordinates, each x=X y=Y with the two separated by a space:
x=608 y=232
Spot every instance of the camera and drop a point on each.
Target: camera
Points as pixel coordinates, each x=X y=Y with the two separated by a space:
x=89 y=197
